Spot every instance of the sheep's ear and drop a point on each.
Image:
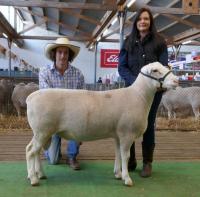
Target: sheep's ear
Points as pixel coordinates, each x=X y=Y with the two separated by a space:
x=169 y=67
x=153 y=71
x=149 y=70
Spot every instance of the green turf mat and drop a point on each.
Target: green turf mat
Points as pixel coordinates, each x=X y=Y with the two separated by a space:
x=96 y=179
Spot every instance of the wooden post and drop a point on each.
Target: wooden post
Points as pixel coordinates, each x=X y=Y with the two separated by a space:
x=190 y=6
x=9 y=46
x=122 y=17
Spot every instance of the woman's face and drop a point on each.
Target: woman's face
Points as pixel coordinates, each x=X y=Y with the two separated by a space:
x=143 y=24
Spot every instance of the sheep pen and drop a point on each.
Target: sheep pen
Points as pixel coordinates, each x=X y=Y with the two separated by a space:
x=12 y=123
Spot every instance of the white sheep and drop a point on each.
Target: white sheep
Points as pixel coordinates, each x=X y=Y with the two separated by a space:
x=182 y=100
x=20 y=93
x=91 y=115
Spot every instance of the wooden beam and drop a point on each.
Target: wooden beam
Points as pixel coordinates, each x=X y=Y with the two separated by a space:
x=60 y=5
x=168 y=6
x=99 y=30
x=190 y=6
x=78 y=15
x=187 y=35
x=171 y=24
x=81 y=39
x=69 y=27
x=114 y=31
x=127 y=22
x=194 y=43
x=146 y=2
x=58 y=19
x=180 y=20
x=160 y=10
x=109 y=2
x=43 y=11
x=163 y=10
x=77 y=22
x=106 y=21
x=110 y=40
x=33 y=26
x=29 y=9
x=6 y=28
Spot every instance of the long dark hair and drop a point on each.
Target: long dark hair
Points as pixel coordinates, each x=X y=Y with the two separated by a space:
x=133 y=36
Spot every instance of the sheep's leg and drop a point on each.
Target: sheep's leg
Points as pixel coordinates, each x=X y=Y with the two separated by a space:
x=174 y=115
x=169 y=115
x=1 y=116
x=41 y=140
x=18 y=109
x=125 y=145
x=19 y=114
x=34 y=168
x=196 y=112
x=30 y=158
x=38 y=167
x=117 y=167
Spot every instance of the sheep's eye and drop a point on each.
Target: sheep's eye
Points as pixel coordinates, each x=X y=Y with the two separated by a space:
x=155 y=70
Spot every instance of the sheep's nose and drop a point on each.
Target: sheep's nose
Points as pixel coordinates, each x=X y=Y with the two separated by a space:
x=176 y=81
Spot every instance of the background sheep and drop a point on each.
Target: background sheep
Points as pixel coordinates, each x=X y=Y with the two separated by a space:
x=88 y=115
x=6 y=88
x=182 y=100
x=20 y=93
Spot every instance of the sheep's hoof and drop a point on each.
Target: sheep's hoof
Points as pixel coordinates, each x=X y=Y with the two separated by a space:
x=118 y=175
x=43 y=177
x=128 y=182
x=35 y=184
x=34 y=181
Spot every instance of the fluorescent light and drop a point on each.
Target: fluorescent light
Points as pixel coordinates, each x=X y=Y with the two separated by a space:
x=187 y=42
x=91 y=47
x=98 y=39
x=105 y=32
x=5 y=35
x=15 y=44
x=130 y=3
x=114 y=21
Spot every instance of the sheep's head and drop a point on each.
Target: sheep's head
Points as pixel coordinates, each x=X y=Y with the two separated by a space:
x=162 y=77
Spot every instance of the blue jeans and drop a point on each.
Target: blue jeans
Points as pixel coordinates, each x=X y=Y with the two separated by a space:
x=53 y=154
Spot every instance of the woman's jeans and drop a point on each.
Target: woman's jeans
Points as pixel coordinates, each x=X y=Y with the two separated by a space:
x=53 y=154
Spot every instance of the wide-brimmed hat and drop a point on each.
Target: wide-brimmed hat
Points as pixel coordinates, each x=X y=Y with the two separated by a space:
x=61 y=42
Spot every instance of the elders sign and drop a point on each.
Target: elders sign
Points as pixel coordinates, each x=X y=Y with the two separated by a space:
x=109 y=58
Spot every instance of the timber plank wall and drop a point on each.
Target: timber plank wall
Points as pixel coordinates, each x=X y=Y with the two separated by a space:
x=169 y=146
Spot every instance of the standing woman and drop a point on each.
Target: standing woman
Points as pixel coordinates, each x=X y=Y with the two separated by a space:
x=143 y=46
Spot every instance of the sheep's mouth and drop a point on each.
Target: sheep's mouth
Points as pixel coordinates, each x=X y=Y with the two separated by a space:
x=161 y=89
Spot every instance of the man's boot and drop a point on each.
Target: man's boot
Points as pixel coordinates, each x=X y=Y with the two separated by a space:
x=74 y=164
x=147 y=153
x=132 y=163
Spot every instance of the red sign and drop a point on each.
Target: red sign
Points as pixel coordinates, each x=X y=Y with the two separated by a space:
x=109 y=58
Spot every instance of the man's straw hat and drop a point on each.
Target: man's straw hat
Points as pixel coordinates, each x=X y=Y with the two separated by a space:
x=61 y=42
